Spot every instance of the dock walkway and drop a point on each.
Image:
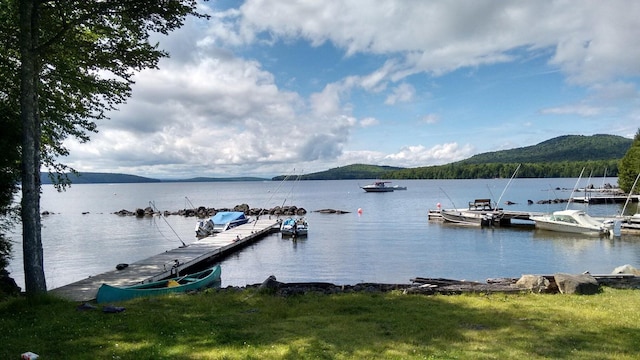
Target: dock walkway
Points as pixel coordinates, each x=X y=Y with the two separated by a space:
x=165 y=264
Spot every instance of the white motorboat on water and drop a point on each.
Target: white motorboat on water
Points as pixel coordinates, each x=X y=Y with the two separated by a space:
x=481 y=212
x=221 y=221
x=295 y=227
x=572 y=221
x=472 y=217
x=378 y=186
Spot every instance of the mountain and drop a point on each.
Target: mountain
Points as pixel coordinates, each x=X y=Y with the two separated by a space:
x=563 y=156
x=562 y=148
x=208 y=179
x=355 y=171
x=110 y=178
x=100 y=178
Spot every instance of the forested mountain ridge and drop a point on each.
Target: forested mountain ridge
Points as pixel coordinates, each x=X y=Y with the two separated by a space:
x=354 y=171
x=113 y=178
x=562 y=148
x=99 y=178
x=563 y=156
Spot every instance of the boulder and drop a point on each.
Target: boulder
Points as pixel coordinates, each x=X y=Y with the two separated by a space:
x=626 y=269
x=242 y=207
x=582 y=284
x=535 y=283
x=270 y=283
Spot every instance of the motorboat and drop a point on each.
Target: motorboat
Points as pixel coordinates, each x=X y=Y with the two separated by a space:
x=295 y=227
x=472 y=217
x=221 y=221
x=571 y=221
x=378 y=186
x=480 y=212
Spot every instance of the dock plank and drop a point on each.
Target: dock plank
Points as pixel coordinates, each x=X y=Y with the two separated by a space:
x=161 y=265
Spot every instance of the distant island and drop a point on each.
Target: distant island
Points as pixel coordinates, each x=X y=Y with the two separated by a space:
x=111 y=178
x=563 y=156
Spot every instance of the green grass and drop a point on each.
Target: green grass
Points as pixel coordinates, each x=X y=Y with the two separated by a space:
x=251 y=325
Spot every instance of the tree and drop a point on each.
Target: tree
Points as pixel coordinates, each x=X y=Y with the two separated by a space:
x=9 y=138
x=65 y=48
x=629 y=167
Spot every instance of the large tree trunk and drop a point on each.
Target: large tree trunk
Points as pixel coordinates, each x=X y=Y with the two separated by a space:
x=29 y=115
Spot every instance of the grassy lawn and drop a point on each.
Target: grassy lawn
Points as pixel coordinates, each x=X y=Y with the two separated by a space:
x=251 y=325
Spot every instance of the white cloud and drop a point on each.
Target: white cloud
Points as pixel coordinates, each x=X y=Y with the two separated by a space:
x=582 y=110
x=594 y=41
x=369 y=121
x=214 y=108
x=430 y=119
x=401 y=93
x=418 y=155
x=215 y=113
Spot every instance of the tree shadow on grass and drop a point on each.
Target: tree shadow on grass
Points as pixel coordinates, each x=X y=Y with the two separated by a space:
x=228 y=325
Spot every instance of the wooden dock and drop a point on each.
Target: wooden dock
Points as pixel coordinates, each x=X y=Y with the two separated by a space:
x=166 y=264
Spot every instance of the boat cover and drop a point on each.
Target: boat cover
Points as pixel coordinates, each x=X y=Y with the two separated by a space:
x=224 y=217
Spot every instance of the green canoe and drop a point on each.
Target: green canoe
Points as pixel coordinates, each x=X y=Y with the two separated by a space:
x=195 y=281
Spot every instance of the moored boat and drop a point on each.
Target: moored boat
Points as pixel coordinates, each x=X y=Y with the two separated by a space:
x=571 y=221
x=472 y=217
x=295 y=227
x=190 y=282
x=221 y=221
x=378 y=186
x=480 y=212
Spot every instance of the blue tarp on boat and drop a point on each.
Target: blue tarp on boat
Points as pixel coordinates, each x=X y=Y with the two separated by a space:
x=224 y=217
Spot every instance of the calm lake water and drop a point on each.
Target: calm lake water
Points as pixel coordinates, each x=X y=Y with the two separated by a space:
x=390 y=242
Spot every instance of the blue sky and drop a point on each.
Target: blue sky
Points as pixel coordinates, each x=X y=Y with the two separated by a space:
x=266 y=87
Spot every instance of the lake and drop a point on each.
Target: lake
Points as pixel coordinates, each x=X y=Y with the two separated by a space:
x=391 y=241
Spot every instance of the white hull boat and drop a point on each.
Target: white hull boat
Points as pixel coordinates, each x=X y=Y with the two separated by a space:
x=572 y=221
x=378 y=186
x=221 y=221
x=471 y=217
x=294 y=227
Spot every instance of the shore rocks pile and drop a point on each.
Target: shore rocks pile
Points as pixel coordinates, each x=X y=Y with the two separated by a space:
x=581 y=284
x=552 y=201
x=291 y=289
x=205 y=212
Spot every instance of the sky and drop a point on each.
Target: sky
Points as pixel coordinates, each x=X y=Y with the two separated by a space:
x=265 y=88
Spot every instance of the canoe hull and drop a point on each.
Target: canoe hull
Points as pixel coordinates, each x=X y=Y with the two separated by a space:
x=197 y=281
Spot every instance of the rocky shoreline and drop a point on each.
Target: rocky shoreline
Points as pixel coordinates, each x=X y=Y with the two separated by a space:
x=205 y=212
x=624 y=277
